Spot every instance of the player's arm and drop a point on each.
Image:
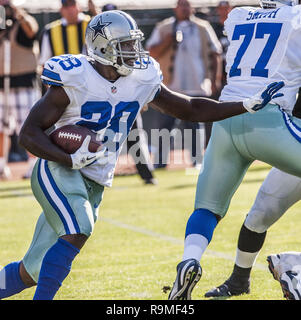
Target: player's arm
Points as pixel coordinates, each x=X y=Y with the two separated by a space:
x=204 y=109
x=194 y=109
x=44 y=114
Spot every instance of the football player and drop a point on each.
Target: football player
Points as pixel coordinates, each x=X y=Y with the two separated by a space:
x=104 y=92
x=263 y=46
x=277 y=194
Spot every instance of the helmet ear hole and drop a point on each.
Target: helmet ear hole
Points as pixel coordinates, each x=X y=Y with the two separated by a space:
x=103 y=50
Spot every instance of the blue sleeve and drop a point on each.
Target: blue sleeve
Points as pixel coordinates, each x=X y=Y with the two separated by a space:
x=51 y=74
x=51 y=77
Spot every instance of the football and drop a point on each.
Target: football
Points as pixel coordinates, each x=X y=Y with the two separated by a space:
x=70 y=138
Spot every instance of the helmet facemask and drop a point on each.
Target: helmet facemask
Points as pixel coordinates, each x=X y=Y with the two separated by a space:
x=121 y=56
x=273 y=4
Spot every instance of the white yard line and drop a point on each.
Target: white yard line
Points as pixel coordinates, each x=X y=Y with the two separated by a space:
x=172 y=240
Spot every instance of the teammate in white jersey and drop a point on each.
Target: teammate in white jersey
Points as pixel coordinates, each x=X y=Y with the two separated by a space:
x=279 y=192
x=264 y=45
x=103 y=91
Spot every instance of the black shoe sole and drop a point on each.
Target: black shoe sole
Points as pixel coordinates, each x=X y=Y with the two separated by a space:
x=190 y=281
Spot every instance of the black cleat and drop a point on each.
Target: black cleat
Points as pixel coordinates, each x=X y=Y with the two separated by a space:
x=151 y=181
x=189 y=272
x=228 y=289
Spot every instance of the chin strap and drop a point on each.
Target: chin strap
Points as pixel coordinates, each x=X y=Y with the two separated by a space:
x=121 y=69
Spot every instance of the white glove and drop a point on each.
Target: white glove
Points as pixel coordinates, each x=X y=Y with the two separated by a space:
x=262 y=98
x=83 y=157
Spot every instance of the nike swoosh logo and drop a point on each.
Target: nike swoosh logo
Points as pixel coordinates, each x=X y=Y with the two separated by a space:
x=90 y=158
x=50 y=66
x=192 y=275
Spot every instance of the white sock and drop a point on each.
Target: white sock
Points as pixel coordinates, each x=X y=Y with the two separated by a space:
x=245 y=259
x=194 y=247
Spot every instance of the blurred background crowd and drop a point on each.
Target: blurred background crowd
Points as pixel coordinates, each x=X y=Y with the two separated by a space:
x=185 y=37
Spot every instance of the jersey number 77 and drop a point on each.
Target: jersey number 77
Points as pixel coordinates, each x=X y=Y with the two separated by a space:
x=248 y=31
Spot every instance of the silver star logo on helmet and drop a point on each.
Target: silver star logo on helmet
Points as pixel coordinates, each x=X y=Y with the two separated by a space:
x=99 y=29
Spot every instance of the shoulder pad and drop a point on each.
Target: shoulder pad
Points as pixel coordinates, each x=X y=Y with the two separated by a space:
x=65 y=70
x=285 y=13
x=292 y=14
x=152 y=74
x=239 y=13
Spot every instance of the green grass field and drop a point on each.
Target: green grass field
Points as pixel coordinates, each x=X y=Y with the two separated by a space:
x=138 y=240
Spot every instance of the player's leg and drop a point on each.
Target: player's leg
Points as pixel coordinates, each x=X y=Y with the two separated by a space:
x=56 y=266
x=194 y=143
x=11 y=282
x=276 y=195
x=17 y=276
x=274 y=137
x=162 y=155
x=279 y=192
x=276 y=141
x=69 y=202
x=277 y=144
x=223 y=170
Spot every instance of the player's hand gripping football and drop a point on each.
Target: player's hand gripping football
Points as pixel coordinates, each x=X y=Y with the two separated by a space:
x=83 y=157
x=261 y=99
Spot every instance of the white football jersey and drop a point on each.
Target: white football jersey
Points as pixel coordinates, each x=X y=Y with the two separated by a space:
x=107 y=108
x=264 y=47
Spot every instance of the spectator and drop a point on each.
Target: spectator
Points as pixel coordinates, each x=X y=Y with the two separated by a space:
x=66 y=35
x=109 y=6
x=222 y=10
x=140 y=152
x=18 y=64
x=190 y=57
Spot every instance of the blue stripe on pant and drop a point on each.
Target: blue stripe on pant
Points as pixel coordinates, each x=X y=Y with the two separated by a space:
x=291 y=126
x=56 y=198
